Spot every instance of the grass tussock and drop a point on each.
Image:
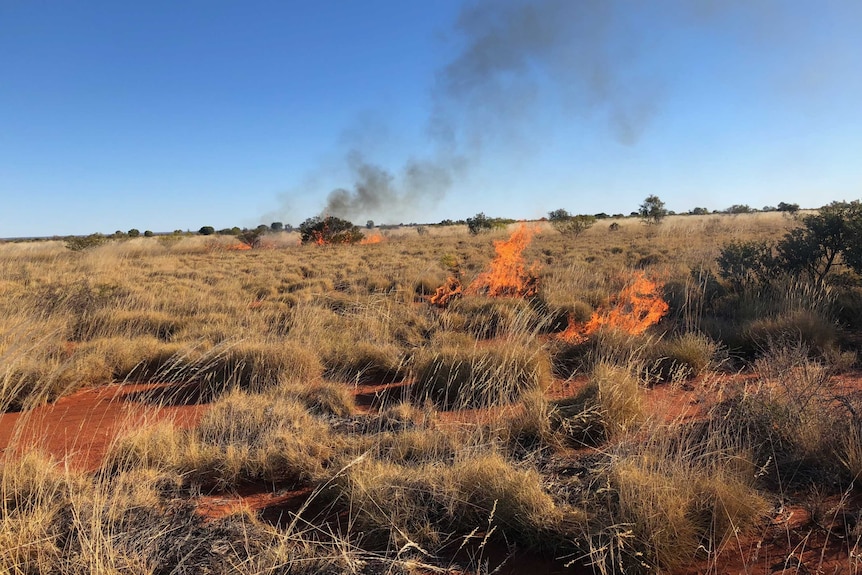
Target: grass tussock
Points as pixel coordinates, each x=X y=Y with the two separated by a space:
x=242 y=437
x=430 y=504
x=685 y=496
x=479 y=376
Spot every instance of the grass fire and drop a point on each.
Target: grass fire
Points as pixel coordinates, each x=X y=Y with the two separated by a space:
x=184 y=404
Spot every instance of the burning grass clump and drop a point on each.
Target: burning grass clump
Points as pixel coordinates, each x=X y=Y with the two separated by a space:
x=609 y=345
x=495 y=374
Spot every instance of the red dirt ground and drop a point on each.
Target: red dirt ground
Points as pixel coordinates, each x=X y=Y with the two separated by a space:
x=82 y=426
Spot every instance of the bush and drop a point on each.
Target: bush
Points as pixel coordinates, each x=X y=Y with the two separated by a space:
x=80 y=243
x=479 y=223
x=329 y=230
x=569 y=225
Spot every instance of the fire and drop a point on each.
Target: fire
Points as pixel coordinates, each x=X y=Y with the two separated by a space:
x=238 y=247
x=372 y=239
x=507 y=275
x=637 y=307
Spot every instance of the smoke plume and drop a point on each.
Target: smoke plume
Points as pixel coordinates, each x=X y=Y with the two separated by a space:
x=513 y=57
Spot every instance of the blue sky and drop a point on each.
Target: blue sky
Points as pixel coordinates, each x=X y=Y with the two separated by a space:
x=170 y=115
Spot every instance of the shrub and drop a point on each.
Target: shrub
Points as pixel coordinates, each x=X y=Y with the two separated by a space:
x=329 y=230
x=569 y=225
x=479 y=223
x=80 y=243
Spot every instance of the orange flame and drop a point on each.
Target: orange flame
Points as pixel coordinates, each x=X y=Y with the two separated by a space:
x=637 y=307
x=372 y=239
x=450 y=290
x=507 y=275
x=237 y=247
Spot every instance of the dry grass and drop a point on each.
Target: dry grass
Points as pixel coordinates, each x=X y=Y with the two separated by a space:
x=277 y=339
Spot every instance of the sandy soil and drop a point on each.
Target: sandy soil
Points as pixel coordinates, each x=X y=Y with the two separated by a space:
x=82 y=426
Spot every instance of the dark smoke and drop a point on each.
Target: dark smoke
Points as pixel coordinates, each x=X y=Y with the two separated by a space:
x=514 y=57
x=376 y=191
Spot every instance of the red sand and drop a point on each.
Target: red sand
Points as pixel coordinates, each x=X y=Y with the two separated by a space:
x=82 y=426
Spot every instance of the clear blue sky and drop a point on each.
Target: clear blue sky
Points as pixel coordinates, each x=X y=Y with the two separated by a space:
x=163 y=114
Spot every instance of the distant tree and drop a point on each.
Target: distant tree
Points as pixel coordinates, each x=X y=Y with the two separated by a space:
x=80 y=243
x=570 y=225
x=479 y=223
x=329 y=230
x=739 y=209
x=119 y=234
x=788 y=208
x=699 y=212
x=206 y=231
x=652 y=210
x=251 y=238
x=446 y=222
x=601 y=216
x=276 y=226
x=133 y=233
x=558 y=215
x=148 y=233
x=369 y=224
x=768 y=209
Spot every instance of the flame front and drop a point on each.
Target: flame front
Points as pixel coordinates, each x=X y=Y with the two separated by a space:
x=372 y=239
x=637 y=307
x=507 y=275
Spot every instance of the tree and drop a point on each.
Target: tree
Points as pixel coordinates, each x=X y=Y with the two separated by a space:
x=251 y=238
x=825 y=239
x=652 y=211
x=788 y=208
x=479 y=223
x=206 y=231
x=369 y=225
x=276 y=226
x=148 y=233
x=329 y=230
x=134 y=233
x=739 y=209
x=829 y=238
x=570 y=225
x=699 y=212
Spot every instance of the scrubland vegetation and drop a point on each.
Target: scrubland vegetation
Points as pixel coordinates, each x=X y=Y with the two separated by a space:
x=422 y=437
